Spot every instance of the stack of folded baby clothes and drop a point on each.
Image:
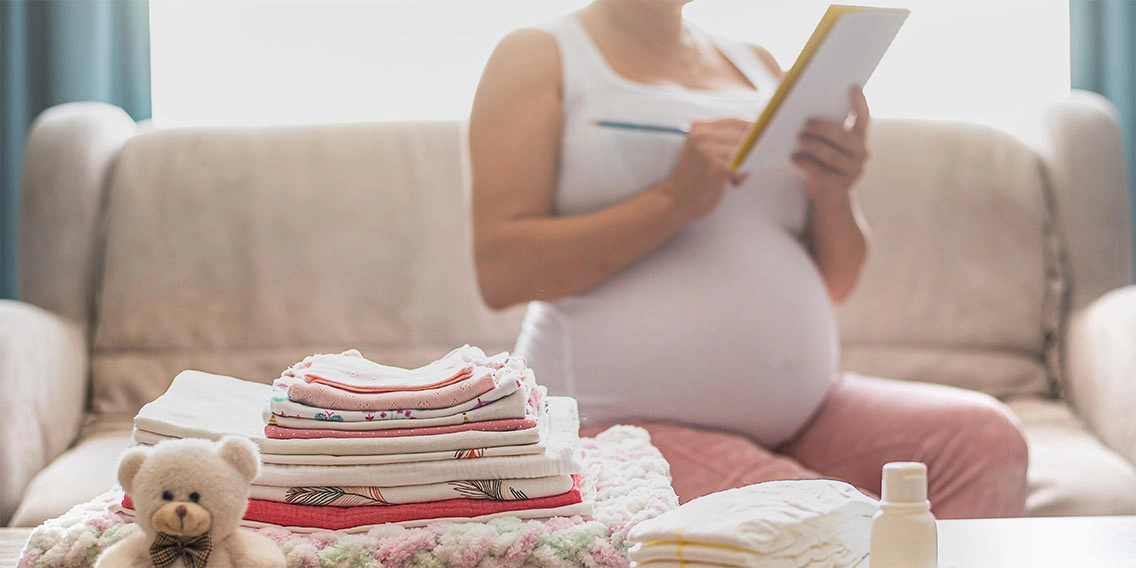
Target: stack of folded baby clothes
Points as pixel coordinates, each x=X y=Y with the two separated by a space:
x=779 y=524
x=347 y=443
x=348 y=396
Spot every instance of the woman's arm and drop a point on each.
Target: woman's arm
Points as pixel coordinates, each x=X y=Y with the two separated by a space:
x=833 y=157
x=838 y=242
x=521 y=251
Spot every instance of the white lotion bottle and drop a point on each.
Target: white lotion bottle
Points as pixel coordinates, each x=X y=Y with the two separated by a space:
x=903 y=530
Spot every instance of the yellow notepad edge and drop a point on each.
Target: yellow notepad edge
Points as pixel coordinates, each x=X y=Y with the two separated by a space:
x=831 y=16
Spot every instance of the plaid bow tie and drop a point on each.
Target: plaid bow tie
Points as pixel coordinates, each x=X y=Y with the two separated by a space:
x=194 y=553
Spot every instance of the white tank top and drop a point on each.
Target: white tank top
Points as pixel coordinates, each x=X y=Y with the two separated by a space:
x=727 y=324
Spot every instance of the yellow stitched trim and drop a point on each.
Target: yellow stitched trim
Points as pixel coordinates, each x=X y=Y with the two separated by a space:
x=682 y=543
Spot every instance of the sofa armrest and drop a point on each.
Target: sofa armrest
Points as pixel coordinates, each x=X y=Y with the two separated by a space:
x=1085 y=166
x=43 y=378
x=68 y=162
x=1100 y=351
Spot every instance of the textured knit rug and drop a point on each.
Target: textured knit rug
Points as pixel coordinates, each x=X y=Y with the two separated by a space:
x=627 y=477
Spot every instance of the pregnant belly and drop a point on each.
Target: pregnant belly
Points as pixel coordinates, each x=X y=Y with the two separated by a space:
x=718 y=330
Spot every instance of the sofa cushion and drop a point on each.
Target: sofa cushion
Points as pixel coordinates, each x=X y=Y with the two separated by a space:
x=954 y=290
x=81 y=473
x=1071 y=472
x=238 y=251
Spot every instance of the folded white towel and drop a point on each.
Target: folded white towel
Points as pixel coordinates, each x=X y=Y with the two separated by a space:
x=203 y=405
x=777 y=524
x=149 y=439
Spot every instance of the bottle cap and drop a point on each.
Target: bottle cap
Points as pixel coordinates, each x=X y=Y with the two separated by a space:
x=905 y=482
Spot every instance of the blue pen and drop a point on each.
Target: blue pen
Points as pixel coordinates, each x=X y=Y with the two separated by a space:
x=641 y=126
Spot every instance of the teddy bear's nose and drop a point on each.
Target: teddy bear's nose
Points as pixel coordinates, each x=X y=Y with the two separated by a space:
x=181 y=511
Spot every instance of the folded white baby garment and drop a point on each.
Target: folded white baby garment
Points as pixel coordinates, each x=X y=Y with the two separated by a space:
x=150 y=438
x=555 y=440
x=350 y=370
x=563 y=455
x=510 y=407
x=779 y=524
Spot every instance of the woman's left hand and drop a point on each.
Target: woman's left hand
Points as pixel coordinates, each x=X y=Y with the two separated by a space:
x=832 y=155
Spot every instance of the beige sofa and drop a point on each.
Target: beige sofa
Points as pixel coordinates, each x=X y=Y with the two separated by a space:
x=995 y=265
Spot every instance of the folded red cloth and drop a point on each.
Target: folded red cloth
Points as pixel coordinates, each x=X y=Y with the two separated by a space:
x=339 y=518
x=504 y=425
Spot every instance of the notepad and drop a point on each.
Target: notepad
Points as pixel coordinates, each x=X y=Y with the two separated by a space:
x=843 y=51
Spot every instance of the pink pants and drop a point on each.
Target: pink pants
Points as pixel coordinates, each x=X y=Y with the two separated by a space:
x=975 y=454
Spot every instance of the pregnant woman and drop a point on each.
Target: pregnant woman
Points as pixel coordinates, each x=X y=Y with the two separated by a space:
x=667 y=291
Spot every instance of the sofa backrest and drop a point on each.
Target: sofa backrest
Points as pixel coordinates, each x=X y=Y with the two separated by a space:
x=962 y=285
x=239 y=251
x=983 y=247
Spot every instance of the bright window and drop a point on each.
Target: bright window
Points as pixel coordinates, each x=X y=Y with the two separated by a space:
x=291 y=61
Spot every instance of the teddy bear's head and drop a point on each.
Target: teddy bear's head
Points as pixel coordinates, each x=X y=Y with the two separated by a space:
x=190 y=487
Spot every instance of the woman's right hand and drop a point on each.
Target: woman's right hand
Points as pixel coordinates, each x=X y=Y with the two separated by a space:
x=699 y=180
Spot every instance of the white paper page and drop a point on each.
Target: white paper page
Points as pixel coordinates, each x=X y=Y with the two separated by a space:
x=847 y=57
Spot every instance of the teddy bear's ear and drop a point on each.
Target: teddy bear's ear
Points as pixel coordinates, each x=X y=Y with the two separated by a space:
x=129 y=465
x=241 y=454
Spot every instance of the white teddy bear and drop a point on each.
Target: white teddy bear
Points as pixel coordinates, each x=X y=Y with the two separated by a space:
x=189 y=496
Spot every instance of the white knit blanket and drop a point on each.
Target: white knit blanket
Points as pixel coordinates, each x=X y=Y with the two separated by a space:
x=629 y=479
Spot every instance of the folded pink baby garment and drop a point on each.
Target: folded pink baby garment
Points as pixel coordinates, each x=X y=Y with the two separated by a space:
x=279 y=432
x=339 y=518
x=350 y=371
x=506 y=400
x=325 y=396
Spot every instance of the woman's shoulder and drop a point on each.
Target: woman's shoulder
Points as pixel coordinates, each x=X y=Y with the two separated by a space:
x=526 y=64
x=526 y=57
x=766 y=58
x=528 y=45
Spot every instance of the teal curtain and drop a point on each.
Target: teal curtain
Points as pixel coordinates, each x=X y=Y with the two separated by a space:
x=57 y=51
x=1103 y=39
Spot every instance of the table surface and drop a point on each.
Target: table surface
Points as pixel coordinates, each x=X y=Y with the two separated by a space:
x=1096 y=542
x=11 y=544
x=1073 y=542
